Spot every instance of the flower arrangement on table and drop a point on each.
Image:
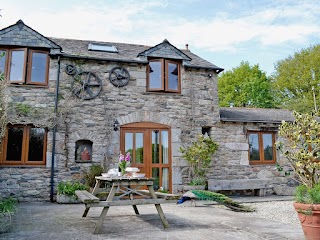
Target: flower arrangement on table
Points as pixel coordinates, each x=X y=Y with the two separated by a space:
x=124 y=162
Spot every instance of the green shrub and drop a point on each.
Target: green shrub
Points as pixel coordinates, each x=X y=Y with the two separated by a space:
x=69 y=188
x=309 y=195
x=95 y=170
x=8 y=205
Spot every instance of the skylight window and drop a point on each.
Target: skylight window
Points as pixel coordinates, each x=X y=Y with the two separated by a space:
x=102 y=47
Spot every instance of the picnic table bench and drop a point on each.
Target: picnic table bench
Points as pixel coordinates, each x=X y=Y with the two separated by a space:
x=129 y=192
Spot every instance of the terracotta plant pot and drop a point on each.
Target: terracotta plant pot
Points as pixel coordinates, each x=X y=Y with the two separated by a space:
x=309 y=216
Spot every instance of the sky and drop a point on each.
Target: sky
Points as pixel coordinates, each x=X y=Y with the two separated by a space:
x=224 y=32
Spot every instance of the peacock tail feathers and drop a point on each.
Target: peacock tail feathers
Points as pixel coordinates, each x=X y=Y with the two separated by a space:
x=222 y=199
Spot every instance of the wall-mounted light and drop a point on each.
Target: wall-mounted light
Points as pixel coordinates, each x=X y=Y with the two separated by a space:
x=116 y=125
x=210 y=75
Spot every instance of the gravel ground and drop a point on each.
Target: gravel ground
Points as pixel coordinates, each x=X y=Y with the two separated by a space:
x=282 y=211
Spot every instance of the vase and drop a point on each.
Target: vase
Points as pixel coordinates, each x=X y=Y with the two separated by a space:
x=123 y=171
x=309 y=216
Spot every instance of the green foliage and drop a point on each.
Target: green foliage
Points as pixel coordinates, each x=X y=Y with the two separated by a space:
x=295 y=77
x=222 y=199
x=197 y=181
x=199 y=154
x=308 y=195
x=23 y=109
x=95 y=170
x=69 y=188
x=245 y=86
x=8 y=205
x=302 y=147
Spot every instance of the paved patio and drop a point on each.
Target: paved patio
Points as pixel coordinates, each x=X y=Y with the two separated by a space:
x=45 y=221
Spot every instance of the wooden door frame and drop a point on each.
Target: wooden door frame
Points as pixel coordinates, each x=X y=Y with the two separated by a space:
x=147 y=128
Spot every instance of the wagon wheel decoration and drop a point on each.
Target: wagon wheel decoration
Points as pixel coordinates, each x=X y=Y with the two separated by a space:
x=119 y=76
x=71 y=70
x=86 y=85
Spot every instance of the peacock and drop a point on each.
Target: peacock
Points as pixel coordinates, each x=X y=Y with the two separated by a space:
x=213 y=196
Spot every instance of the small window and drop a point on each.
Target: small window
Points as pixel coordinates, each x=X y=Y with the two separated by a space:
x=163 y=75
x=25 y=66
x=102 y=47
x=24 y=145
x=83 y=151
x=261 y=147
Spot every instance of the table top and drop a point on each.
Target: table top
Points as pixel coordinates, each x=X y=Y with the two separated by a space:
x=123 y=178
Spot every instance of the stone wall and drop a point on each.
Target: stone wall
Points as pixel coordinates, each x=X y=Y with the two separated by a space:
x=232 y=160
x=195 y=107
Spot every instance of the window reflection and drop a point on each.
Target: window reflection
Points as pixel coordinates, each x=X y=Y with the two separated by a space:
x=36 y=144
x=17 y=66
x=39 y=67
x=254 y=147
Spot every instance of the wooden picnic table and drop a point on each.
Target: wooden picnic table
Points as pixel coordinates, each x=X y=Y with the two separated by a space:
x=124 y=191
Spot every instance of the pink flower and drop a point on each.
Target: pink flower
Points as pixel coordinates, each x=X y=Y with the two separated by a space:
x=128 y=158
x=121 y=157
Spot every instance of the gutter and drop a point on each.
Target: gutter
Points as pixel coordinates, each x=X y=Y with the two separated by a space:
x=54 y=133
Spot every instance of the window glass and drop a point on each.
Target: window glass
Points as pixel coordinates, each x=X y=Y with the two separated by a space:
x=39 y=67
x=2 y=61
x=155 y=75
x=129 y=143
x=17 y=65
x=267 y=146
x=254 y=146
x=36 y=144
x=156 y=176
x=165 y=147
x=165 y=178
x=139 y=147
x=173 y=78
x=14 y=145
x=155 y=146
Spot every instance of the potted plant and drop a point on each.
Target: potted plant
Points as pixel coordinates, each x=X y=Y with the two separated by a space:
x=198 y=155
x=301 y=146
x=66 y=191
x=7 y=210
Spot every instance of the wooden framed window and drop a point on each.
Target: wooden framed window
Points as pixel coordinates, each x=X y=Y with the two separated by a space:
x=163 y=75
x=261 y=147
x=24 y=145
x=25 y=66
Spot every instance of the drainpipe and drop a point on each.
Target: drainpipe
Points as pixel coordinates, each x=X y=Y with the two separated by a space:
x=54 y=132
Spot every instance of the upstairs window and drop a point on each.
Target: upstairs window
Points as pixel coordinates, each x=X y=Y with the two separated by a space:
x=163 y=76
x=261 y=147
x=25 y=66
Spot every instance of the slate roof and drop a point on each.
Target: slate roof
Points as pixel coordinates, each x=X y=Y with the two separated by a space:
x=255 y=115
x=22 y=35
x=126 y=53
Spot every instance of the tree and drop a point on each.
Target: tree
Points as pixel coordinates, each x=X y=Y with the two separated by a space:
x=296 y=80
x=245 y=86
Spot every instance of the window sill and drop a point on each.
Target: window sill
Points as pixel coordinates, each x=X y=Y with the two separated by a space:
x=22 y=166
x=83 y=161
x=162 y=93
x=27 y=85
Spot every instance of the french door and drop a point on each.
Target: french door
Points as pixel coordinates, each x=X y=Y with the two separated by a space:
x=150 y=147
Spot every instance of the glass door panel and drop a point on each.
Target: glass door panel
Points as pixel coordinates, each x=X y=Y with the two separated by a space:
x=155 y=146
x=165 y=147
x=139 y=148
x=165 y=179
x=156 y=176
